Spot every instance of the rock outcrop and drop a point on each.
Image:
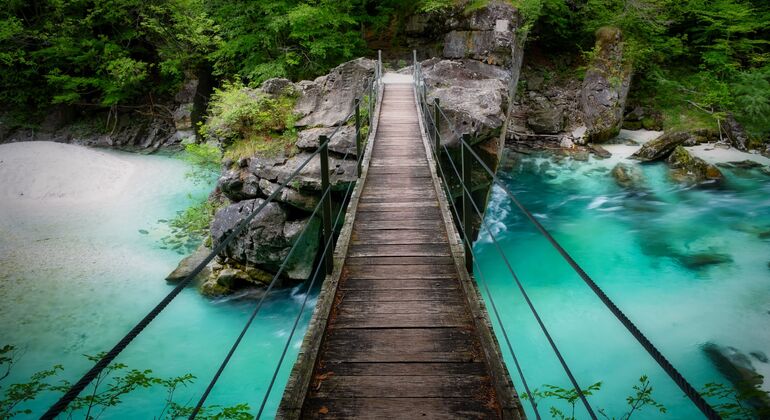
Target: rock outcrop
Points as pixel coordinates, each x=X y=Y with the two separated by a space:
x=735 y=133
x=628 y=176
x=661 y=147
x=688 y=169
x=605 y=87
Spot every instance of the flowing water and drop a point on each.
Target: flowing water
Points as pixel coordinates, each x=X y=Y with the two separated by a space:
x=75 y=277
x=650 y=252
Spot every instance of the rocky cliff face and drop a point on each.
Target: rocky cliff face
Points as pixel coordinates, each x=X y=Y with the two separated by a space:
x=605 y=87
x=256 y=254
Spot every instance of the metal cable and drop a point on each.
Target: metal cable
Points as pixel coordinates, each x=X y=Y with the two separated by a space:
x=60 y=405
x=524 y=293
x=304 y=301
x=691 y=393
x=254 y=313
x=491 y=299
x=659 y=358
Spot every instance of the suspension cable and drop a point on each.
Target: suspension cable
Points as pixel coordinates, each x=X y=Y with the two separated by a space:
x=60 y=405
x=691 y=393
x=531 y=398
x=304 y=301
x=547 y=334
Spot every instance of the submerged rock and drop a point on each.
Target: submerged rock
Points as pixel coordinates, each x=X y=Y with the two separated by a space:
x=188 y=265
x=702 y=260
x=687 y=169
x=733 y=364
x=628 y=176
x=599 y=151
x=605 y=87
x=661 y=147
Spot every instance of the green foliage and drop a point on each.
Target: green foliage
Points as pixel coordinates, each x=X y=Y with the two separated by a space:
x=204 y=159
x=732 y=404
x=249 y=122
x=195 y=220
x=99 y=52
x=107 y=390
x=642 y=397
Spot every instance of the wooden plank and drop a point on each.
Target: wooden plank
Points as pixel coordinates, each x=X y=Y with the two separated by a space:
x=381 y=251
x=396 y=205
x=417 y=307
x=400 y=369
x=400 y=271
x=407 y=386
x=399 y=408
x=425 y=213
x=435 y=225
x=398 y=237
x=388 y=261
x=402 y=295
x=399 y=284
x=427 y=320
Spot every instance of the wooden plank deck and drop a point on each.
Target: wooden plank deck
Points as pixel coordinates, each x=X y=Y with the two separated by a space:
x=400 y=341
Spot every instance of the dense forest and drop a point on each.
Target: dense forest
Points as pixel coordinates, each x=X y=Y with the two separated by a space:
x=712 y=56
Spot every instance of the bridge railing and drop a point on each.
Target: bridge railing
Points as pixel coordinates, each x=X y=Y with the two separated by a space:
x=331 y=221
x=434 y=119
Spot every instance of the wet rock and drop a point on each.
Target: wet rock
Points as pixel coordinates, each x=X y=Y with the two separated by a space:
x=702 y=260
x=661 y=147
x=735 y=133
x=605 y=87
x=188 y=265
x=328 y=100
x=759 y=355
x=628 y=176
x=267 y=239
x=733 y=364
x=688 y=169
x=599 y=151
x=343 y=142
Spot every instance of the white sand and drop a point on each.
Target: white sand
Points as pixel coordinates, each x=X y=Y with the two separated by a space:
x=712 y=154
x=55 y=173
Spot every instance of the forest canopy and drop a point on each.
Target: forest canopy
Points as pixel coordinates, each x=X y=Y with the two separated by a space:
x=102 y=53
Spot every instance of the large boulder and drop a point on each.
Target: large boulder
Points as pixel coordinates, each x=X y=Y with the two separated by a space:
x=342 y=142
x=605 y=87
x=688 y=169
x=342 y=172
x=546 y=118
x=472 y=95
x=267 y=239
x=328 y=100
x=661 y=147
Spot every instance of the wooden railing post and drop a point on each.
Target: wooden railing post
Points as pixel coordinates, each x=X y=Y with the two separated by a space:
x=379 y=66
x=467 y=218
x=358 y=135
x=436 y=138
x=326 y=206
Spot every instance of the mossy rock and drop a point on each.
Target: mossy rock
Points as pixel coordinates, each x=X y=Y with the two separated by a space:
x=632 y=125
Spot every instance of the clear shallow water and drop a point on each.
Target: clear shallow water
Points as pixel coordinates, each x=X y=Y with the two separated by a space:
x=74 y=280
x=635 y=246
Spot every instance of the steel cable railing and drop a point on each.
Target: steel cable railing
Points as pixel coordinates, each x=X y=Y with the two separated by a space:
x=372 y=87
x=467 y=150
x=498 y=318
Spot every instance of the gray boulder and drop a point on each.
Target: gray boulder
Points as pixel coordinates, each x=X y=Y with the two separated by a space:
x=546 y=120
x=342 y=172
x=605 y=87
x=472 y=95
x=301 y=200
x=661 y=147
x=267 y=239
x=688 y=169
x=188 y=265
x=328 y=100
x=277 y=86
x=343 y=142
